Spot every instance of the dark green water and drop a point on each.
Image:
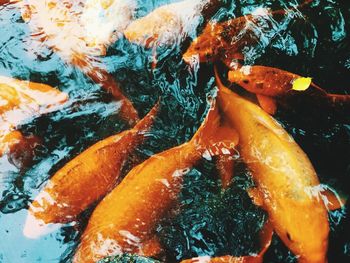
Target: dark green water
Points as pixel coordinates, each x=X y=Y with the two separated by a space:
x=211 y=222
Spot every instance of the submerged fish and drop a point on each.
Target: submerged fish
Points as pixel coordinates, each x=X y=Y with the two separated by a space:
x=85 y=179
x=126 y=219
x=228 y=41
x=20 y=101
x=83 y=26
x=269 y=83
x=170 y=24
x=285 y=178
x=80 y=31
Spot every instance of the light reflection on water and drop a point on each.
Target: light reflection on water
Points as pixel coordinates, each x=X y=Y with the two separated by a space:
x=307 y=46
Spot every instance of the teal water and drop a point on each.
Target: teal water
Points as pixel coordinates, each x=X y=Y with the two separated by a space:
x=211 y=222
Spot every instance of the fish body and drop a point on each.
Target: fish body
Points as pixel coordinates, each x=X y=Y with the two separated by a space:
x=170 y=24
x=21 y=99
x=274 y=82
x=270 y=83
x=85 y=179
x=284 y=176
x=127 y=218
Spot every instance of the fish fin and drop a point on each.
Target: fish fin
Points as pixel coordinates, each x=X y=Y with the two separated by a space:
x=267 y=103
x=108 y=83
x=152 y=248
x=233 y=63
x=338 y=102
x=265 y=240
x=256 y=196
x=154 y=58
x=148 y=120
x=332 y=200
x=225 y=166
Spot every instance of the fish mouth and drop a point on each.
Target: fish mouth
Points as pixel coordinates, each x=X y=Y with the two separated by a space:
x=35 y=228
x=191 y=59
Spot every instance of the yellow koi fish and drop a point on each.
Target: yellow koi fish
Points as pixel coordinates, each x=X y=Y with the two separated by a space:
x=286 y=180
x=85 y=179
x=125 y=221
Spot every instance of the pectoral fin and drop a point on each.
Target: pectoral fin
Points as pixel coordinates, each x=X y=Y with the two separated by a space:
x=267 y=103
x=256 y=196
x=225 y=166
x=332 y=199
x=152 y=248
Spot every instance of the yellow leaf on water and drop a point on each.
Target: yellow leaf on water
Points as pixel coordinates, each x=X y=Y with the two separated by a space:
x=301 y=84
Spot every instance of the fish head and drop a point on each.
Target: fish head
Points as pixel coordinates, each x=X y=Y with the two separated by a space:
x=305 y=232
x=206 y=46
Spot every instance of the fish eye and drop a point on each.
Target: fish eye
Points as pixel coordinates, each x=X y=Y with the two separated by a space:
x=289 y=237
x=245 y=81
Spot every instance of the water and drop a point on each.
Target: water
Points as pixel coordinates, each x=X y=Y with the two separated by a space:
x=316 y=44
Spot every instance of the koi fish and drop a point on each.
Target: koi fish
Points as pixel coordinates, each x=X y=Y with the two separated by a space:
x=21 y=100
x=226 y=41
x=28 y=97
x=125 y=220
x=286 y=180
x=67 y=28
x=85 y=179
x=268 y=83
x=170 y=23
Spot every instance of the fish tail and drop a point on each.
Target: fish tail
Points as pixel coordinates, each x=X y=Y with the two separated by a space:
x=148 y=120
x=338 y=99
x=215 y=135
x=107 y=82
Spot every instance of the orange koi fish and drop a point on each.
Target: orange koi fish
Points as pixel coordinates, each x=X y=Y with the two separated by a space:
x=85 y=179
x=265 y=239
x=78 y=32
x=226 y=41
x=169 y=24
x=286 y=181
x=125 y=221
x=21 y=100
x=268 y=83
